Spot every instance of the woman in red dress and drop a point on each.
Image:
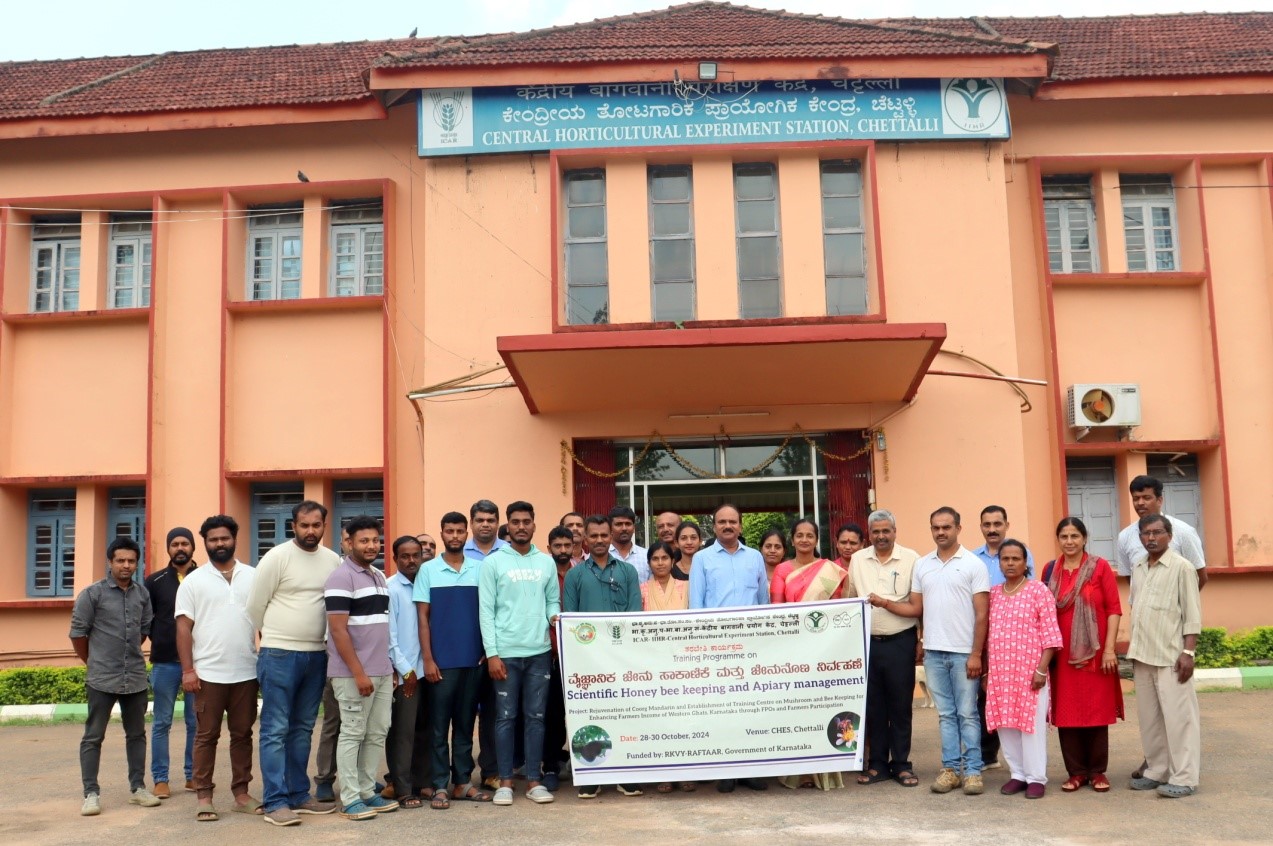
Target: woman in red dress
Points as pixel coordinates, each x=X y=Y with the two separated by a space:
x=1087 y=696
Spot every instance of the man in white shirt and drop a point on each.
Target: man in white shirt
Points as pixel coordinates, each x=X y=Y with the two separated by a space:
x=1147 y=499
x=951 y=592
x=216 y=643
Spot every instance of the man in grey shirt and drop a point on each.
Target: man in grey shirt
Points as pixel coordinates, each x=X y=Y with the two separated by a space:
x=110 y=620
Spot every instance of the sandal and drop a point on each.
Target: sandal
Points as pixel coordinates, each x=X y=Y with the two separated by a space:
x=1100 y=783
x=440 y=801
x=411 y=802
x=1073 y=783
x=207 y=813
x=688 y=786
x=251 y=806
x=471 y=795
x=906 y=778
x=664 y=787
x=872 y=777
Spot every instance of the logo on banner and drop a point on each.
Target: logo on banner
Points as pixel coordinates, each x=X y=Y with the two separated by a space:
x=973 y=104
x=616 y=629
x=591 y=745
x=584 y=632
x=817 y=622
x=842 y=731
x=448 y=117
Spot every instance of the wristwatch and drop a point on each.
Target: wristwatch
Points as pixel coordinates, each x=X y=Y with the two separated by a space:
x=1188 y=652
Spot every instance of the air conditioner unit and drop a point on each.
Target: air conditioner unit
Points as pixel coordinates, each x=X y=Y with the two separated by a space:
x=1089 y=406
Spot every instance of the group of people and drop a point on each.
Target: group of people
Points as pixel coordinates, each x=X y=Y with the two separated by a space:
x=410 y=667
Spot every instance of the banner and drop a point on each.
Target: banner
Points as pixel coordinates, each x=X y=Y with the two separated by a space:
x=468 y=121
x=720 y=693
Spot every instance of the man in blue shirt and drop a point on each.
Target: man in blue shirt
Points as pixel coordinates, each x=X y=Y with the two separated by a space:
x=484 y=523
x=408 y=758
x=725 y=575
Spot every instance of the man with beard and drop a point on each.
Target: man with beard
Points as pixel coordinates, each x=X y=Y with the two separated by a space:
x=484 y=521
x=217 y=645
x=518 y=600
x=622 y=527
x=445 y=596
x=555 y=714
x=573 y=521
x=287 y=606
x=165 y=671
x=406 y=749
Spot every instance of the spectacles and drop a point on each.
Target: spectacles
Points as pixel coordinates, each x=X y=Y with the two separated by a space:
x=1153 y=533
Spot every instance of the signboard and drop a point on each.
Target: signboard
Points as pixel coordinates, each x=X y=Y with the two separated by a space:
x=467 y=121
x=722 y=693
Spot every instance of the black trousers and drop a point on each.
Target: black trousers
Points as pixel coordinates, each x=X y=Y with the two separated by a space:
x=555 y=722
x=989 y=739
x=409 y=746
x=132 y=707
x=890 y=695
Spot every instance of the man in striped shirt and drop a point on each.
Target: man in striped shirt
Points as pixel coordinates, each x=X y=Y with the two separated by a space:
x=357 y=599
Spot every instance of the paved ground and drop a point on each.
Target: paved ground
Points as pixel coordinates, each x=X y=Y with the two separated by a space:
x=41 y=798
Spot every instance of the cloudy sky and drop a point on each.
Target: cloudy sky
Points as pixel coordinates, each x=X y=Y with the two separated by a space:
x=74 y=28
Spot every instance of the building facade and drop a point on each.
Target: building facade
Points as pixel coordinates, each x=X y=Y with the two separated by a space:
x=805 y=264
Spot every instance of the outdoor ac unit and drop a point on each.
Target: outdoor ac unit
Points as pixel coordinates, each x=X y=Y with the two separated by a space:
x=1089 y=406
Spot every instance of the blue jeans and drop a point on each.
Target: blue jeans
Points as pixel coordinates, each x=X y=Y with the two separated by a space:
x=527 y=687
x=956 y=698
x=165 y=680
x=291 y=690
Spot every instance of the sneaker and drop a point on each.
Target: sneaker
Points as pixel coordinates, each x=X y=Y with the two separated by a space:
x=282 y=815
x=358 y=811
x=142 y=796
x=161 y=790
x=630 y=790
x=589 y=791
x=315 y=806
x=503 y=796
x=490 y=783
x=190 y=788
x=725 y=785
x=324 y=791
x=539 y=795
x=1143 y=783
x=973 y=786
x=381 y=805
x=1035 y=791
x=1013 y=787
x=946 y=781
x=552 y=781
x=389 y=791
x=92 y=806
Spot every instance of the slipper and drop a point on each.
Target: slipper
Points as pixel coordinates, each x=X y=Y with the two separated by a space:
x=1099 y=783
x=688 y=787
x=207 y=813
x=472 y=795
x=425 y=793
x=906 y=778
x=440 y=801
x=664 y=787
x=872 y=777
x=252 y=806
x=411 y=802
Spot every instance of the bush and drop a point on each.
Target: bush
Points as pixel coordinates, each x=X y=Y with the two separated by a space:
x=1255 y=646
x=42 y=685
x=1214 y=650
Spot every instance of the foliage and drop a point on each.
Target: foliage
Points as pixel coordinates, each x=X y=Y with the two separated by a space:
x=1217 y=648
x=755 y=526
x=1213 y=650
x=41 y=685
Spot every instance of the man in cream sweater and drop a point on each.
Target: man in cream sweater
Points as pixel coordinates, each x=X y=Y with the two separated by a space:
x=287 y=606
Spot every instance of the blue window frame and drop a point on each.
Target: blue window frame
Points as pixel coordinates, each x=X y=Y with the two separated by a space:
x=272 y=516
x=126 y=517
x=51 y=543
x=354 y=499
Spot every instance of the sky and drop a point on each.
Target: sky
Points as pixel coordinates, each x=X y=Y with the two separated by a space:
x=95 y=28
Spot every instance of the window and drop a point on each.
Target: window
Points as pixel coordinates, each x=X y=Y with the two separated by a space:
x=272 y=516
x=274 y=254
x=587 y=258
x=130 y=260
x=356 y=499
x=358 y=249
x=51 y=550
x=759 y=259
x=1069 y=217
x=672 y=242
x=1093 y=495
x=55 y=265
x=1149 y=222
x=843 y=238
x=126 y=517
x=1182 y=487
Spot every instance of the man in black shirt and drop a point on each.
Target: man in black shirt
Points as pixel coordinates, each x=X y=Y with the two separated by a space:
x=165 y=673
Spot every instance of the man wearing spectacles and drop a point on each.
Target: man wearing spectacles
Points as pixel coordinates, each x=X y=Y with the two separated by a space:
x=1166 y=621
x=602 y=583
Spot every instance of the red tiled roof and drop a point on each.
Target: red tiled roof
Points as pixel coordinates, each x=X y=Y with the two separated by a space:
x=1138 y=46
x=694 y=30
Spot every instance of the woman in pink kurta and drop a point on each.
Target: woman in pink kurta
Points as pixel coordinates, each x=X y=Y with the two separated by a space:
x=1022 y=639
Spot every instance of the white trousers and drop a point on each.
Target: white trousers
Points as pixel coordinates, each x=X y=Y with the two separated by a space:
x=1026 y=752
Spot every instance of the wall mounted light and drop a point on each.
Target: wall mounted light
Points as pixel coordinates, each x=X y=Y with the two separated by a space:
x=707 y=71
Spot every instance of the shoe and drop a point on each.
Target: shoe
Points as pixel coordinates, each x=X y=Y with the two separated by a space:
x=630 y=790
x=381 y=805
x=725 y=785
x=589 y=791
x=946 y=781
x=992 y=765
x=92 y=806
x=161 y=790
x=190 y=788
x=1100 y=783
x=1174 y=791
x=325 y=791
x=539 y=795
x=282 y=816
x=1073 y=783
x=1143 y=783
x=1035 y=791
x=491 y=783
x=389 y=792
x=973 y=785
x=358 y=811
x=503 y=796
x=1013 y=787
x=552 y=781
x=754 y=783
x=314 y=806
x=142 y=796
